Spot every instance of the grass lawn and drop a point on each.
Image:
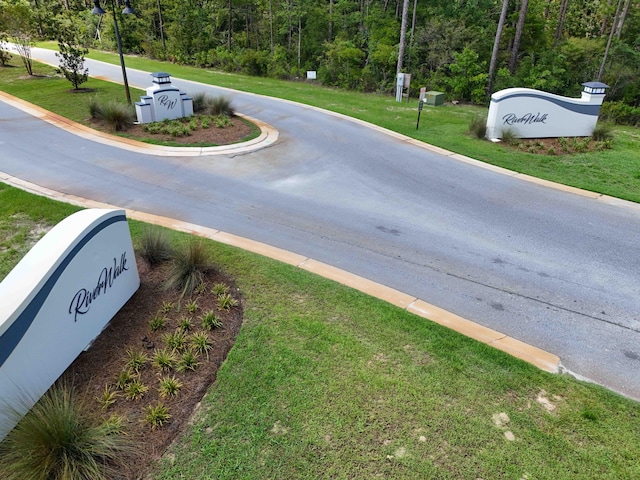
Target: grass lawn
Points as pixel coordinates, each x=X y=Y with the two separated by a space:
x=327 y=382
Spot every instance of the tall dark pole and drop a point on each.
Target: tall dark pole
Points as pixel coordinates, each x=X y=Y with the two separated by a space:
x=97 y=10
x=124 y=69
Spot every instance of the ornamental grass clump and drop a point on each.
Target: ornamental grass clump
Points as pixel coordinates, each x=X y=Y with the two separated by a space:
x=118 y=116
x=60 y=439
x=155 y=247
x=190 y=263
x=478 y=127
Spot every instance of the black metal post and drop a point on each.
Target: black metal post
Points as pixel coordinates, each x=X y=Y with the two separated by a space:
x=119 y=43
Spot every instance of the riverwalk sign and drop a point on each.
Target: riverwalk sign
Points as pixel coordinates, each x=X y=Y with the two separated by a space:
x=529 y=113
x=163 y=101
x=57 y=300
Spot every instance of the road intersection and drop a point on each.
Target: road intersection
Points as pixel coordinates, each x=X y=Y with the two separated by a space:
x=553 y=267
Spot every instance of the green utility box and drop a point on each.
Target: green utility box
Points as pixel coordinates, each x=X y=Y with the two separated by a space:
x=434 y=98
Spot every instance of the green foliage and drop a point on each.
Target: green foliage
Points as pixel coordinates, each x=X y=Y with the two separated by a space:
x=220 y=106
x=620 y=113
x=71 y=54
x=167 y=306
x=59 y=439
x=185 y=324
x=176 y=341
x=220 y=289
x=341 y=64
x=192 y=306
x=155 y=247
x=108 y=397
x=157 y=415
x=469 y=77
x=169 y=387
x=478 y=127
x=602 y=132
x=164 y=359
x=509 y=136
x=188 y=361
x=157 y=322
x=211 y=321
x=124 y=378
x=135 y=390
x=136 y=360
x=118 y=116
x=226 y=301
x=200 y=343
x=190 y=263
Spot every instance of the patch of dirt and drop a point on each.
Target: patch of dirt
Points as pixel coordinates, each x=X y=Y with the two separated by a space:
x=99 y=366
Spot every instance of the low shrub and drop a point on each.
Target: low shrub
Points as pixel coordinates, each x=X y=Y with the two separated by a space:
x=620 y=113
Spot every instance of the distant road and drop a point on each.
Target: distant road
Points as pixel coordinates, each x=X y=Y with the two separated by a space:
x=554 y=269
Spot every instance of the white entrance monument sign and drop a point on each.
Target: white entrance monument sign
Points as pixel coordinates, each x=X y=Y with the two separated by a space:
x=163 y=101
x=57 y=300
x=535 y=114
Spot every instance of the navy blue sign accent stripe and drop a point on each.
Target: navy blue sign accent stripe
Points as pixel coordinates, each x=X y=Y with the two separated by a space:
x=11 y=338
x=572 y=107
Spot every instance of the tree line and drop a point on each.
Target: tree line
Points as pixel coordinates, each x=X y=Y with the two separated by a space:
x=466 y=48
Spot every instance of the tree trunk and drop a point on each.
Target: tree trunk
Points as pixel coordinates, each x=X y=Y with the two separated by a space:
x=331 y=20
x=622 y=19
x=518 y=37
x=561 y=17
x=403 y=35
x=611 y=32
x=496 y=46
x=230 y=26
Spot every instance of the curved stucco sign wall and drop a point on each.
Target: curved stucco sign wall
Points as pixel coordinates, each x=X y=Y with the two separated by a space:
x=57 y=300
x=532 y=113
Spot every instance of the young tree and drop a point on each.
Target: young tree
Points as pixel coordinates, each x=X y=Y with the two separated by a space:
x=71 y=56
x=16 y=22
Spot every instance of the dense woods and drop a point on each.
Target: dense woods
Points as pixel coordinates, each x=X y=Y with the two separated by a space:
x=466 y=48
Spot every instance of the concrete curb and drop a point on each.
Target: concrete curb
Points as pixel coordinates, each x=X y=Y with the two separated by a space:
x=533 y=355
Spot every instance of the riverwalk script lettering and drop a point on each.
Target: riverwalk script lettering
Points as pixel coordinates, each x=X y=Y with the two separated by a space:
x=528 y=119
x=81 y=302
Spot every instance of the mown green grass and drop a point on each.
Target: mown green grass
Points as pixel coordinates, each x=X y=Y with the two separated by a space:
x=326 y=382
x=613 y=172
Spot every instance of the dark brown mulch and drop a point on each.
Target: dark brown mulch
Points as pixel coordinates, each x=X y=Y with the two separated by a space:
x=211 y=136
x=129 y=330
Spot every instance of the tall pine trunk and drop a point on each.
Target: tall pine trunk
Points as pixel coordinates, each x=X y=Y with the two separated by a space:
x=496 y=46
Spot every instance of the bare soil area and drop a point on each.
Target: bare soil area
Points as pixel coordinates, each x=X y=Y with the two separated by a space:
x=98 y=368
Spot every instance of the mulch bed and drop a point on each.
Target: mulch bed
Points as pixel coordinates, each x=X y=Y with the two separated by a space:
x=129 y=330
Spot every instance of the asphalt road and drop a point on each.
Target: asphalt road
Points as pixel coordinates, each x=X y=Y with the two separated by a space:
x=554 y=269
